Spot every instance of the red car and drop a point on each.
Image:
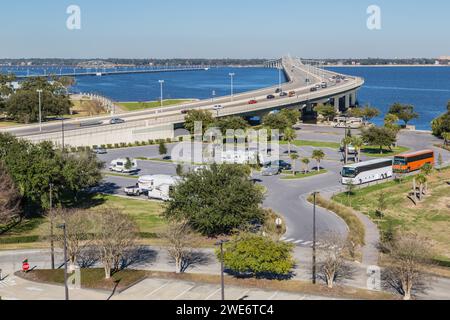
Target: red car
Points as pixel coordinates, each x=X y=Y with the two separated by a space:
x=252 y=102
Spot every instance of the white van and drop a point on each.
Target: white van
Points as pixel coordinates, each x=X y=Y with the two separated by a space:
x=120 y=165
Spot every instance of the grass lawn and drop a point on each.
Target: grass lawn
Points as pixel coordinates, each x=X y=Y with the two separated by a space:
x=135 y=106
x=147 y=215
x=430 y=218
x=94 y=279
x=302 y=175
x=317 y=144
x=374 y=152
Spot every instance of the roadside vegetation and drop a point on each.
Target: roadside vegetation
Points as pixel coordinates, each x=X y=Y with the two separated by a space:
x=389 y=206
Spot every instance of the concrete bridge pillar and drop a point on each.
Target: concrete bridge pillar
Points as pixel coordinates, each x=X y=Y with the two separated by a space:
x=336 y=103
x=353 y=98
x=347 y=101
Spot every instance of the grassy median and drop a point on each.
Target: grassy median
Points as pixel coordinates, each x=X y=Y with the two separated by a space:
x=135 y=106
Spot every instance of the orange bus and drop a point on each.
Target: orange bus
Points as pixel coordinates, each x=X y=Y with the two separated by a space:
x=410 y=162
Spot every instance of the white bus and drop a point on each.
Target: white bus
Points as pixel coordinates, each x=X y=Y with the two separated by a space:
x=369 y=171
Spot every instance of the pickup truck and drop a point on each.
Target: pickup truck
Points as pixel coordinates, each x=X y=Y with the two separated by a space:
x=133 y=191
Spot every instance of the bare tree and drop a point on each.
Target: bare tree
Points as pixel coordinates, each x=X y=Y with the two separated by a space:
x=408 y=257
x=332 y=264
x=10 y=197
x=115 y=234
x=179 y=235
x=78 y=230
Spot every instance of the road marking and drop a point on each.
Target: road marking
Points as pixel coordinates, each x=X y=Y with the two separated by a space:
x=34 y=289
x=308 y=243
x=298 y=241
x=289 y=240
x=212 y=294
x=156 y=290
x=283 y=238
x=183 y=293
x=273 y=296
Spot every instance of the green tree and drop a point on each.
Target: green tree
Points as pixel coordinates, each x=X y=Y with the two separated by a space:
x=276 y=121
x=259 y=256
x=327 y=111
x=381 y=204
x=203 y=116
x=292 y=115
x=180 y=170
x=216 y=201
x=350 y=190
x=368 y=113
x=128 y=164
x=294 y=157
x=289 y=136
x=162 y=149
x=379 y=136
x=346 y=142
x=231 y=123
x=446 y=136
x=358 y=144
x=306 y=163
x=318 y=155
x=404 y=112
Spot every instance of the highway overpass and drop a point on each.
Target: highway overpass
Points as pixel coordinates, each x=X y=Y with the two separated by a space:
x=160 y=123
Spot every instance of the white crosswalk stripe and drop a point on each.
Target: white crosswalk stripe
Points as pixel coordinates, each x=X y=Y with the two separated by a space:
x=8 y=282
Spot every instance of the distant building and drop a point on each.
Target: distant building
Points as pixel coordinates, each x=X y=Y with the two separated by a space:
x=445 y=60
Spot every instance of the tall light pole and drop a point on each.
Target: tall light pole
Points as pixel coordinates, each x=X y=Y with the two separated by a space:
x=222 y=277
x=232 y=74
x=314 y=274
x=279 y=78
x=39 y=91
x=66 y=287
x=161 y=82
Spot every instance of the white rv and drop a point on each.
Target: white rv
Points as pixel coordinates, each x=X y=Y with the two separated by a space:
x=158 y=186
x=120 y=165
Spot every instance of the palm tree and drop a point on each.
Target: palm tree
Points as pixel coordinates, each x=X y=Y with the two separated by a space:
x=346 y=142
x=306 y=162
x=289 y=135
x=421 y=179
x=446 y=136
x=294 y=157
x=358 y=143
x=318 y=155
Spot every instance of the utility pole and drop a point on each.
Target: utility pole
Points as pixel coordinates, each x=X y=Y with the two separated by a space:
x=52 y=236
x=39 y=91
x=161 y=82
x=66 y=287
x=314 y=272
x=222 y=277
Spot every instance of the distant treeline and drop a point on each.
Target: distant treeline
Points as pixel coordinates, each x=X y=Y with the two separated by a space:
x=136 y=62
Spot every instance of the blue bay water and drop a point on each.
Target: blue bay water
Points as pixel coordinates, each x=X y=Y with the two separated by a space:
x=427 y=88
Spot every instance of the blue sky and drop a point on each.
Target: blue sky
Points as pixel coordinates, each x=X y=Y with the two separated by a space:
x=225 y=28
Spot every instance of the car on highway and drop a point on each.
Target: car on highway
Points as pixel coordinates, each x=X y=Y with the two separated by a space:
x=91 y=123
x=278 y=90
x=283 y=94
x=184 y=111
x=252 y=102
x=116 y=121
x=270 y=97
x=100 y=151
x=313 y=89
x=324 y=85
x=318 y=86
x=218 y=107
x=291 y=93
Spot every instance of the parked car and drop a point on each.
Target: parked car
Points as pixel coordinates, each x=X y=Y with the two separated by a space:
x=270 y=171
x=120 y=165
x=100 y=151
x=252 y=102
x=280 y=164
x=270 y=97
x=133 y=191
x=116 y=121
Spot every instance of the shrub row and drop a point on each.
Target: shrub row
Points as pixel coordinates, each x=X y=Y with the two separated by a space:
x=356 y=227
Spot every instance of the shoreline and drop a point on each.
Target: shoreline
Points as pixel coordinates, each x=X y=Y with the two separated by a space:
x=388 y=66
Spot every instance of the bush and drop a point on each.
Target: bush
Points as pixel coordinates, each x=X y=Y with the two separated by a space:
x=259 y=256
x=123 y=144
x=116 y=145
x=130 y=144
x=94 y=146
x=109 y=145
x=103 y=146
x=151 y=142
x=144 y=143
x=169 y=140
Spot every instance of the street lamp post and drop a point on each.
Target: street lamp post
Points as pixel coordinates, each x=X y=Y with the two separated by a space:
x=314 y=276
x=66 y=287
x=161 y=82
x=232 y=92
x=222 y=277
x=39 y=91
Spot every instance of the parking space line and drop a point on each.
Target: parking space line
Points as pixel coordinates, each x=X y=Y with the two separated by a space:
x=212 y=294
x=156 y=290
x=183 y=293
x=273 y=296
